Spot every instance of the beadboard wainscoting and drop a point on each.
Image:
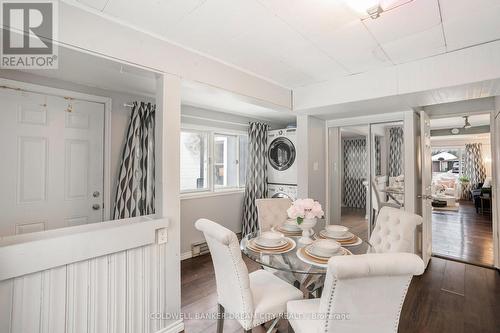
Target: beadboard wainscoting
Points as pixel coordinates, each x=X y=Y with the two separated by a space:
x=118 y=290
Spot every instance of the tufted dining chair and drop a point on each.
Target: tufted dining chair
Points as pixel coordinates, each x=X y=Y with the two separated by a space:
x=272 y=212
x=252 y=299
x=362 y=293
x=394 y=231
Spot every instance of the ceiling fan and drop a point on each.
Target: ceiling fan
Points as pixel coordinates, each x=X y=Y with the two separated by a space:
x=466 y=122
x=467 y=125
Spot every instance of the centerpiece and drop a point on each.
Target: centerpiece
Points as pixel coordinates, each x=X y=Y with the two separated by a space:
x=305 y=212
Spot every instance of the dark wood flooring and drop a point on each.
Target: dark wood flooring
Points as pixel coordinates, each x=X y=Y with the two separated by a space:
x=464 y=235
x=449 y=297
x=354 y=218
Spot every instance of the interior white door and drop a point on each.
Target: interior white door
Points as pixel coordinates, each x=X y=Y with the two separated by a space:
x=52 y=169
x=426 y=155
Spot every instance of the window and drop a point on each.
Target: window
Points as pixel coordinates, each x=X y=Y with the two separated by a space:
x=194 y=161
x=226 y=159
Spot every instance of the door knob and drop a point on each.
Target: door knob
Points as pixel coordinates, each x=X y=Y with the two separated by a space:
x=96 y=206
x=424 y=196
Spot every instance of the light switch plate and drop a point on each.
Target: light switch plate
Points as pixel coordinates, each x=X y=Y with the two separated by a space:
x=161 y=236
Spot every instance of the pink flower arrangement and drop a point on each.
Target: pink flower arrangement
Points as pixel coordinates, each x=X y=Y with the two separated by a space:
x=305 y=209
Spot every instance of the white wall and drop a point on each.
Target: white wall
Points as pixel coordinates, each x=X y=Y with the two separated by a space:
x=226 y=209
x=311 y=158
x=120 y=115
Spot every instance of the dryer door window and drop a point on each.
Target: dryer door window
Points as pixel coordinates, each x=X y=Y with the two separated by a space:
x=281 y=154
x=281 y=195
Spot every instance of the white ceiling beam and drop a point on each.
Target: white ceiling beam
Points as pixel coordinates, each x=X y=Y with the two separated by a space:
x=471 y=65
x=94 y=32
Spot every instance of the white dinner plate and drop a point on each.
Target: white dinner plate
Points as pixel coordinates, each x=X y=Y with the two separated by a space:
x=281 y=243
x=348 y=235
x=310 y=262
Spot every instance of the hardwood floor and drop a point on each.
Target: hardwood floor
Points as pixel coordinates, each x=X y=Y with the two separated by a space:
x=449 y=297
x=354 y=218
x=464 y=235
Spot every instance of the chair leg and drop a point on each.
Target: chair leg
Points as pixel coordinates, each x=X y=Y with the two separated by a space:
x=273 y=325
x=220 y=318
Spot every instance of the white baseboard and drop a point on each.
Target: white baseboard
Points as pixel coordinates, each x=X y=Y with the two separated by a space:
x=175 y=327
x=186 y=255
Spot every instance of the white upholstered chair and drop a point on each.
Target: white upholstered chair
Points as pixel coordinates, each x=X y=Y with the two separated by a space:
x=272 y=212
x=253 y=298
x=394 y=231
x=362 y=293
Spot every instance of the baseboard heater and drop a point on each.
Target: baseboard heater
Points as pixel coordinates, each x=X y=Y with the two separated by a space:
x=201 y=248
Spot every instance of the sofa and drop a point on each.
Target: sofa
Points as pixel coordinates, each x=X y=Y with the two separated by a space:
x=446 y=184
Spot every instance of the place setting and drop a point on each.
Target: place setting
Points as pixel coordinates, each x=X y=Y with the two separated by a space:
x=271 y=242
x=290 y=228
x=340 y=234
x=320 y=251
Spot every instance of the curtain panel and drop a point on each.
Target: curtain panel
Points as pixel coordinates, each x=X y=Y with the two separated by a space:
x=256 y=182
x=396 y=140
x=135 y=195
x=355 y=162
x=474 y=168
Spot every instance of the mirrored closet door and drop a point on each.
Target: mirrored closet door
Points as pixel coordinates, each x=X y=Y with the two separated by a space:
x=366 y=173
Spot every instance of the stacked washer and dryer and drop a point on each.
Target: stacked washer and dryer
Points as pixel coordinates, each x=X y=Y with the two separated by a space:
x=281 y=163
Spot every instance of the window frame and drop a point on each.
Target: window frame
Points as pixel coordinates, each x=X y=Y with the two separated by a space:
x=212 y=189
x=207 y=188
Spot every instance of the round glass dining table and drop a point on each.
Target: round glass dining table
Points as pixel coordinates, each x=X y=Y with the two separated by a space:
x=303 y=273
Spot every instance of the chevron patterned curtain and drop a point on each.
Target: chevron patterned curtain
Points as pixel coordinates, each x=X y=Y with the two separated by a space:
x=473 y=167
x=355 y=161
x=135 y=194
x=396 y=164
x=256 y=182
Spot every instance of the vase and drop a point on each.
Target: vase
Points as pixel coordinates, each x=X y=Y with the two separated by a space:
x=306 y=226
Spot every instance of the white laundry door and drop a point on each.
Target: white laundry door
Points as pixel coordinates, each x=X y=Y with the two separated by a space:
x=52 y=162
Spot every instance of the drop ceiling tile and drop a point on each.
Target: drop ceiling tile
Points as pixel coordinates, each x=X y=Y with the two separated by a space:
x=354 y=48
x=468 y=23
x=96 y=4
x=260 y=62
x=312 y=17
x=217 y=22
x=404 y=21
x=416 y=46
x=315 y=63
x=452 y=9
x=152 y=15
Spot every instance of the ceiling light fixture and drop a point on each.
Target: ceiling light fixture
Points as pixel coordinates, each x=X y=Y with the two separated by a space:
x=374 y=8
x=467 y=124
x=375 y=11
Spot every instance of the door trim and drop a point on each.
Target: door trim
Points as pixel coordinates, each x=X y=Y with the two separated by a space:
x=106 y=101
x=495 y=175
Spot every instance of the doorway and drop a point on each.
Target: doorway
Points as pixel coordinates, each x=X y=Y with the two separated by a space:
x=461 y=189
x=367 y=173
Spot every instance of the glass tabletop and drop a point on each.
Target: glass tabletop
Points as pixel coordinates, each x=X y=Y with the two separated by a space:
x=289 y=261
